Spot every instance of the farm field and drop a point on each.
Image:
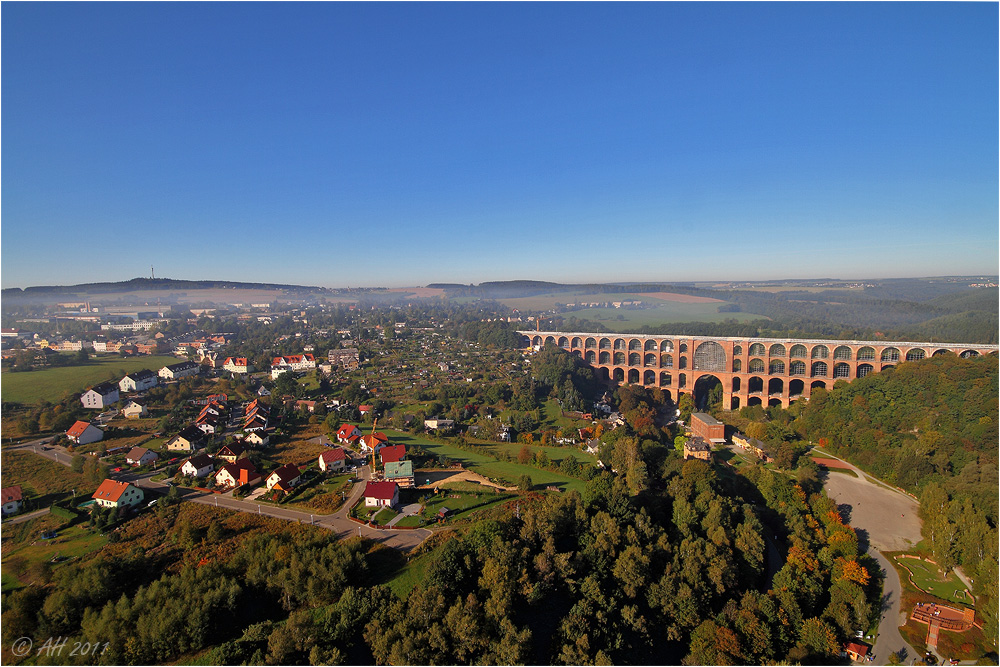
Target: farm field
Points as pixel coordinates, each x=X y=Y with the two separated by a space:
x=53 y=383
x=42 y=480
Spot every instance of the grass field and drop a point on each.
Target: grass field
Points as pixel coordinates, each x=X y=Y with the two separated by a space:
x=44 y=481
x=54 y=383
x=927 y=578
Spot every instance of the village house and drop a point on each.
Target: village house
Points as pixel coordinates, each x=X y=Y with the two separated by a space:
x=310 y=406
x=138 y=381
x=348 y=434
x=332 y=459
x=392 y=454
x=438 y=424
x=294 y=362
x=134 y=410
x=84 y=433
x=235 y=475
x=257 y=438
x=855 y=651
x=199 y=466
x=188 y=440
x=238 y=365
x=112 y=493
x=181 y=370
x=140 y=456
x=364 y=409
x=760 y=449
x=12 y=500
x=373 y=442
x=381 y=494
x=696 y=448
x=284 y=478
x=100 y=395
x=347 y=358
x=232 y=452
x=400 y=472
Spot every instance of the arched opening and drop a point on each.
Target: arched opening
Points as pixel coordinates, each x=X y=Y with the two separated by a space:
x=864 y=369
x=665 y=379
x=938 y=353
x=633 y=376
x=754 y=400
x=777 y=350
x=796 y=387
x=525 y=341
x=736 y=385
x=734 y=403
x=550 y=339
x=649 y=377
x=605 y=344
x=681 y=381
x=619 y=375
x=633 y=359
x=969 y=354
x=757 y=350
x=820 y=352
x=756 y=366
x=683 y=348
x=890 y=354
x=817 y=384
x=797 y=368
x=666 y=361
x=578 y=353
x=576 y=342
x=774 y=402
x=668 y=396
x=619 y=358
x=842 y=352
x=591 y=357
x=776 y=368
x=707 y=392
x=605 y=375
x=737 y=350
x=619 y=343
x=590 y=342
x=667 y=346
x=650 y=361
x=819 y=369
x=866 y=354
x=710 y=356
x=755 y=385
x=650 y=345
x=798 y=352
x=841 y=371
x=682 y=362
x=537 y=341
x=635 y=344
x=916 y=354
x=605 y=357
x=775 y=386
x=888 y=366
x=737 y=366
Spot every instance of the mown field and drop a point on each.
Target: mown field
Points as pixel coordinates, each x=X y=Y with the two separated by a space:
x=44 y=480
x=54 y=383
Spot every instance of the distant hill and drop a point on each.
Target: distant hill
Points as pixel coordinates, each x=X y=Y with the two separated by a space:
x=150 y=284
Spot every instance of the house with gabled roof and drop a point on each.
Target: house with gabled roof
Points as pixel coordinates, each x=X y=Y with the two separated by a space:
x=284 y=478
x=84 y=433
x=112 y=493
x=140 y=456
x=12 y=499
x=257 y=438
x=177 y=371
x=199 y=466
x=373 y=442
x=292 y=362
x=134 y=410
x=238 y=365
x=188 y=440
x=332 y=459
x=100 y=395
x=392 y=453
x=381 y=494
x=231 y=452
x=238 y=474
x=348 y=434
x=138 y=381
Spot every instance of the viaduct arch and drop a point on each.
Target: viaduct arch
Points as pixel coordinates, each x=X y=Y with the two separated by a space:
x=753 y=371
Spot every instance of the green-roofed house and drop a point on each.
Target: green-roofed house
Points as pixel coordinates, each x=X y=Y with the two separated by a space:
x=400 y=472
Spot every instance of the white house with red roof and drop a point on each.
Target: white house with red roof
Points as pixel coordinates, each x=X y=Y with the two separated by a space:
x=332 y=459
x=373 y=442
x=84 y=433
x=201 y=465
x=292 y=362
x=392 y=454
x=381 y=494
x=12 y=499
x=234 y=475
x=112 y=493
x=237 y=365
x=284 y=478
x=348 y=434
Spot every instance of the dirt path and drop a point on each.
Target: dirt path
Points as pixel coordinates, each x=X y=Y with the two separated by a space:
x=440 y=477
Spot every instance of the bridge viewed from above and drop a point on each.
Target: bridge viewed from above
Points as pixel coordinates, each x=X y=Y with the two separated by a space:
x=752 y=371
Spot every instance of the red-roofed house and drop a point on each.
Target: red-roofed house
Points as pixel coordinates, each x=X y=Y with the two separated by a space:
x=856 y=652
x=201 y=465
x=284 y=478
x=392 y=454
x=332 y=459
x=237 y=474
x=348 y=434
x=232 y=452
x=364 y=409
x=140 y=456
x=12 y=500
x=293 y=362
x=373 y=442
x=84 y=433
x=112 y=493
x=381 y=494
x=237 y=365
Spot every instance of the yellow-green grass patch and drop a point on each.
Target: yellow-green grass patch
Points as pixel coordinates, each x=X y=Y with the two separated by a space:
x=53 y=384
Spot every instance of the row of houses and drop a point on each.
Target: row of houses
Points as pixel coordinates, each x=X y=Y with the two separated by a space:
x=106 y=394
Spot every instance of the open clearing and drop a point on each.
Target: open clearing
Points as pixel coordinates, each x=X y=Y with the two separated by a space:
x=889 y=517
x=52 y=384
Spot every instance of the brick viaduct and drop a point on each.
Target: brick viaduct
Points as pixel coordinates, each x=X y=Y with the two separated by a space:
x=765 y=371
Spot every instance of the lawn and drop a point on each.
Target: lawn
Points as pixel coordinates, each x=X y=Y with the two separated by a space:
x=55 y=383
x=324 y=497
x=927 y=578
x=42 y=480
x=555 y=454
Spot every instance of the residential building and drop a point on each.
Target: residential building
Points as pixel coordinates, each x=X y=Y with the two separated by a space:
x=134 y=410
x=400 y=472
x=188 y=440
x=753 y=445
x=391 y=454
x=284 y=478
x=238 y=474
x=348 y=434
x=112 y=493
x=84 y=433
x=257 y=438
x=370 y=443
x=231 y=453
x=697 y=448
x=181 y=370
x=332 y=460
x=437 y=424
x=12 y=500
x=381 y=494
x=199 y=466
x=140 y=456
x=238 y=365
x=294 y=362
x=347 y=358
x=100 y=395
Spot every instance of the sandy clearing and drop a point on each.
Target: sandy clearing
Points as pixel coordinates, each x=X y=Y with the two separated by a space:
x=889 y=517
x=440 y=477
x=681 y=298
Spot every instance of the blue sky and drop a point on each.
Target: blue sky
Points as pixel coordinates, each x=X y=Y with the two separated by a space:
x=384 y=144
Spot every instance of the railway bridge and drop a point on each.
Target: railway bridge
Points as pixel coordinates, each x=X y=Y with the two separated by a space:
x=752 y=371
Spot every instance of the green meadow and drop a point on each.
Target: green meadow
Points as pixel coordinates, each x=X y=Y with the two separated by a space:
x=52 y=384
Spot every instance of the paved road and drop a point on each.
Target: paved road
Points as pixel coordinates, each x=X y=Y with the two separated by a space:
x=30 y=515
x=889 y=639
